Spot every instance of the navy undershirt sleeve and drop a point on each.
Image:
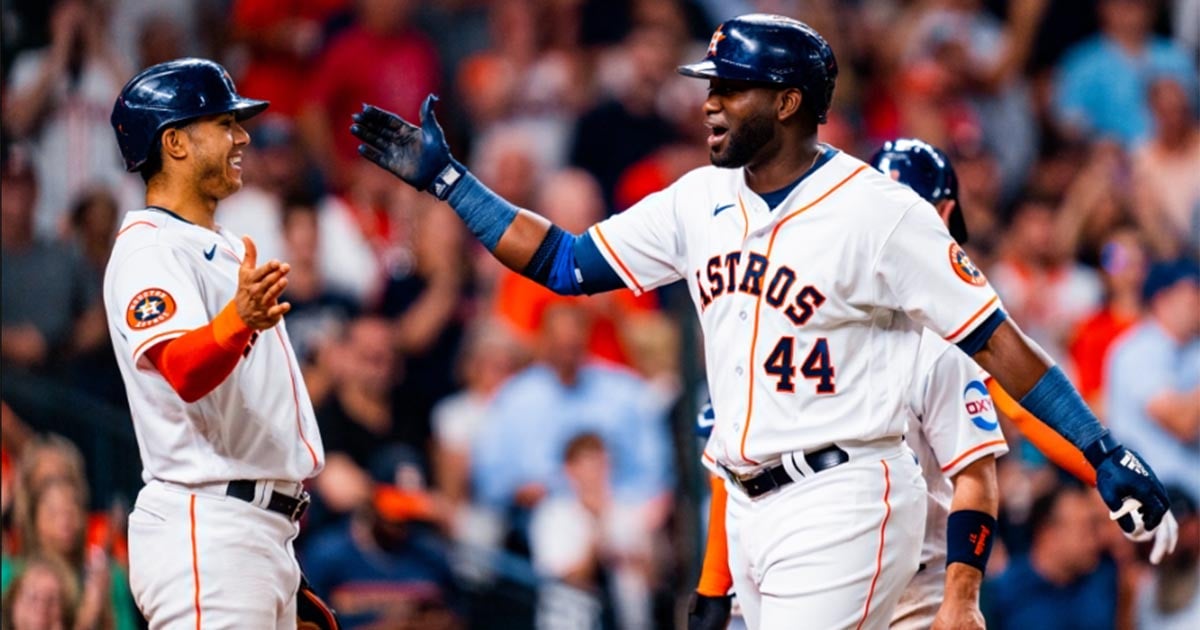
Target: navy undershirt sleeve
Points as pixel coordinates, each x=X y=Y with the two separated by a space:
x=978 y=338
x=571 y=265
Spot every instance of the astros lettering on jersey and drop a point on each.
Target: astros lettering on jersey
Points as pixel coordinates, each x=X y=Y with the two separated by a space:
x=808 y=309
x=167 y=276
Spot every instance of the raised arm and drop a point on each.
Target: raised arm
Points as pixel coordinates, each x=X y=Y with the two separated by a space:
x=524 y=241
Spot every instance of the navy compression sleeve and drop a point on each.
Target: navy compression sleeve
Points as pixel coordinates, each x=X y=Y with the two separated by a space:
x=571 y=265
x=1056 y=402
x=486 y=214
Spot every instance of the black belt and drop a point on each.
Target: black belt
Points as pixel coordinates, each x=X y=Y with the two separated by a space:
x=777 y=476
x=291 y=507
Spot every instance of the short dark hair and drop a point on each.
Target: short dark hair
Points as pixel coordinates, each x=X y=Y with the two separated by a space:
x=153 y=164
x=581 y=444
x=1041 y=513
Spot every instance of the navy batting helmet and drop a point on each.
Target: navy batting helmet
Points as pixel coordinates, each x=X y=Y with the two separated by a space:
x=771 y=49
x=922 y=167
x=168 y=94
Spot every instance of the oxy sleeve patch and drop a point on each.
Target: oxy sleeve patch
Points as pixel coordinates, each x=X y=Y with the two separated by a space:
x=149 y=308
x=963 y=266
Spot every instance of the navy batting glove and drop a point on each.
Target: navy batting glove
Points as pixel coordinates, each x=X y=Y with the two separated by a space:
x=417 y=155
x=1121 y=475
x=706 y=612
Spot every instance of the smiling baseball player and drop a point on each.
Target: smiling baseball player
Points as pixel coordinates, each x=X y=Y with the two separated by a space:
x=224 y=425
x=954 y=432
x=811 y=274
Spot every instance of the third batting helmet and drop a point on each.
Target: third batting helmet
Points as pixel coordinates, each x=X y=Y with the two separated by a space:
x=922 y=167
x=771 y=49
x=168 y=94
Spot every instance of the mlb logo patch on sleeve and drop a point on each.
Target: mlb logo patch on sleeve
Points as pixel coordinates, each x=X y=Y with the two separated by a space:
x=149 y=308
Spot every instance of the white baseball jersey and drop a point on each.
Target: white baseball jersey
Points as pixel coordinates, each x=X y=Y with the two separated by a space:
x=953 y=425
x=165 y=277
x=808 y=310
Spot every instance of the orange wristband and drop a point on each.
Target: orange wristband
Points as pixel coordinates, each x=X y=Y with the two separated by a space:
x=230 y=331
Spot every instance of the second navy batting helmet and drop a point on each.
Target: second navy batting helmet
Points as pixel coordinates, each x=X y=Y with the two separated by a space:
x=922 y=167
x=171 y=93
x=771 y=49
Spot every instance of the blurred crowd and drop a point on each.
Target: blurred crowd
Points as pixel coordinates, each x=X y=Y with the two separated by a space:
x=499 y=456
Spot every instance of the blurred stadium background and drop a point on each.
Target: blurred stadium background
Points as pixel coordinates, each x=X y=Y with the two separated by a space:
x=503 y=458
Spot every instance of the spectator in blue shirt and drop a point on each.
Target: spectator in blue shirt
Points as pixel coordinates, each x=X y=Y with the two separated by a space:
x=1064 y=582
x=1103 y=81
x=517 y=455
x=387 y=567
x=1154 y=376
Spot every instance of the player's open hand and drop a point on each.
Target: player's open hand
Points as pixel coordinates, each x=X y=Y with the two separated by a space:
x=259 y=288
x=417 y=155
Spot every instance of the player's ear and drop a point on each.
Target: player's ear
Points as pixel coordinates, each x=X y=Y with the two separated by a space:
x=787 y=104
x=944 y=208
x=175 y=143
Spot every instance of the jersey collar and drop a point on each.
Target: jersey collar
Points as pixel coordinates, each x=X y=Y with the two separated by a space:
x=774 y=198
x=168 y=212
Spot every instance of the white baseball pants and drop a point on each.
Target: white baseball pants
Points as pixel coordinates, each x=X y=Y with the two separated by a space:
x=199 y=559
x=833 y=550
x=921 y=599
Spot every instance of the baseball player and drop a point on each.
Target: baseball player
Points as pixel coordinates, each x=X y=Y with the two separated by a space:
x=224 y=425
x=953 y=430
x=812 y=274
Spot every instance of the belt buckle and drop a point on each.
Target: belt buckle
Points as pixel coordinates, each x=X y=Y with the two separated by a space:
x=301 y=506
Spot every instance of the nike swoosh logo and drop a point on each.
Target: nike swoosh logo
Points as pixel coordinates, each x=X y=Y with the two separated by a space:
x=720 y=209
x=212 y=251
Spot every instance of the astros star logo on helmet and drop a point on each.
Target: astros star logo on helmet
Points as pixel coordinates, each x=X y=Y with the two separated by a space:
x=717 y=37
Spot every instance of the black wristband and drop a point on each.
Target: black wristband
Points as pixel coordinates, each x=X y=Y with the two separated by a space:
x=1098 y=451
x=969 y=535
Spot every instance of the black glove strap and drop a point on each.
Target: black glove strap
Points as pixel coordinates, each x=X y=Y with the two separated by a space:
x=1099 y=450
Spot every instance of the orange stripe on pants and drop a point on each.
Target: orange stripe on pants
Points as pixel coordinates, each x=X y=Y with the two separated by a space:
x=195 y=560
x=882 y=530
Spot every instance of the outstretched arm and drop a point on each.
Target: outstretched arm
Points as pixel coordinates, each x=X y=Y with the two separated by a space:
x=1128 y=486
x=1055 y=447
x=522 y=240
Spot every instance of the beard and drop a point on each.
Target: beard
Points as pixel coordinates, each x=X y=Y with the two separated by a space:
x=744 y=142
x=215 y=180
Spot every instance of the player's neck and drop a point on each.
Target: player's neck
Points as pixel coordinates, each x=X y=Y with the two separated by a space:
x=784 y=167
x=186 y=202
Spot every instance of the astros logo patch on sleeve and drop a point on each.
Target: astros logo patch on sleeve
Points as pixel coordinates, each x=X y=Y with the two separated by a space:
x=964 y=267
x=149 y=308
